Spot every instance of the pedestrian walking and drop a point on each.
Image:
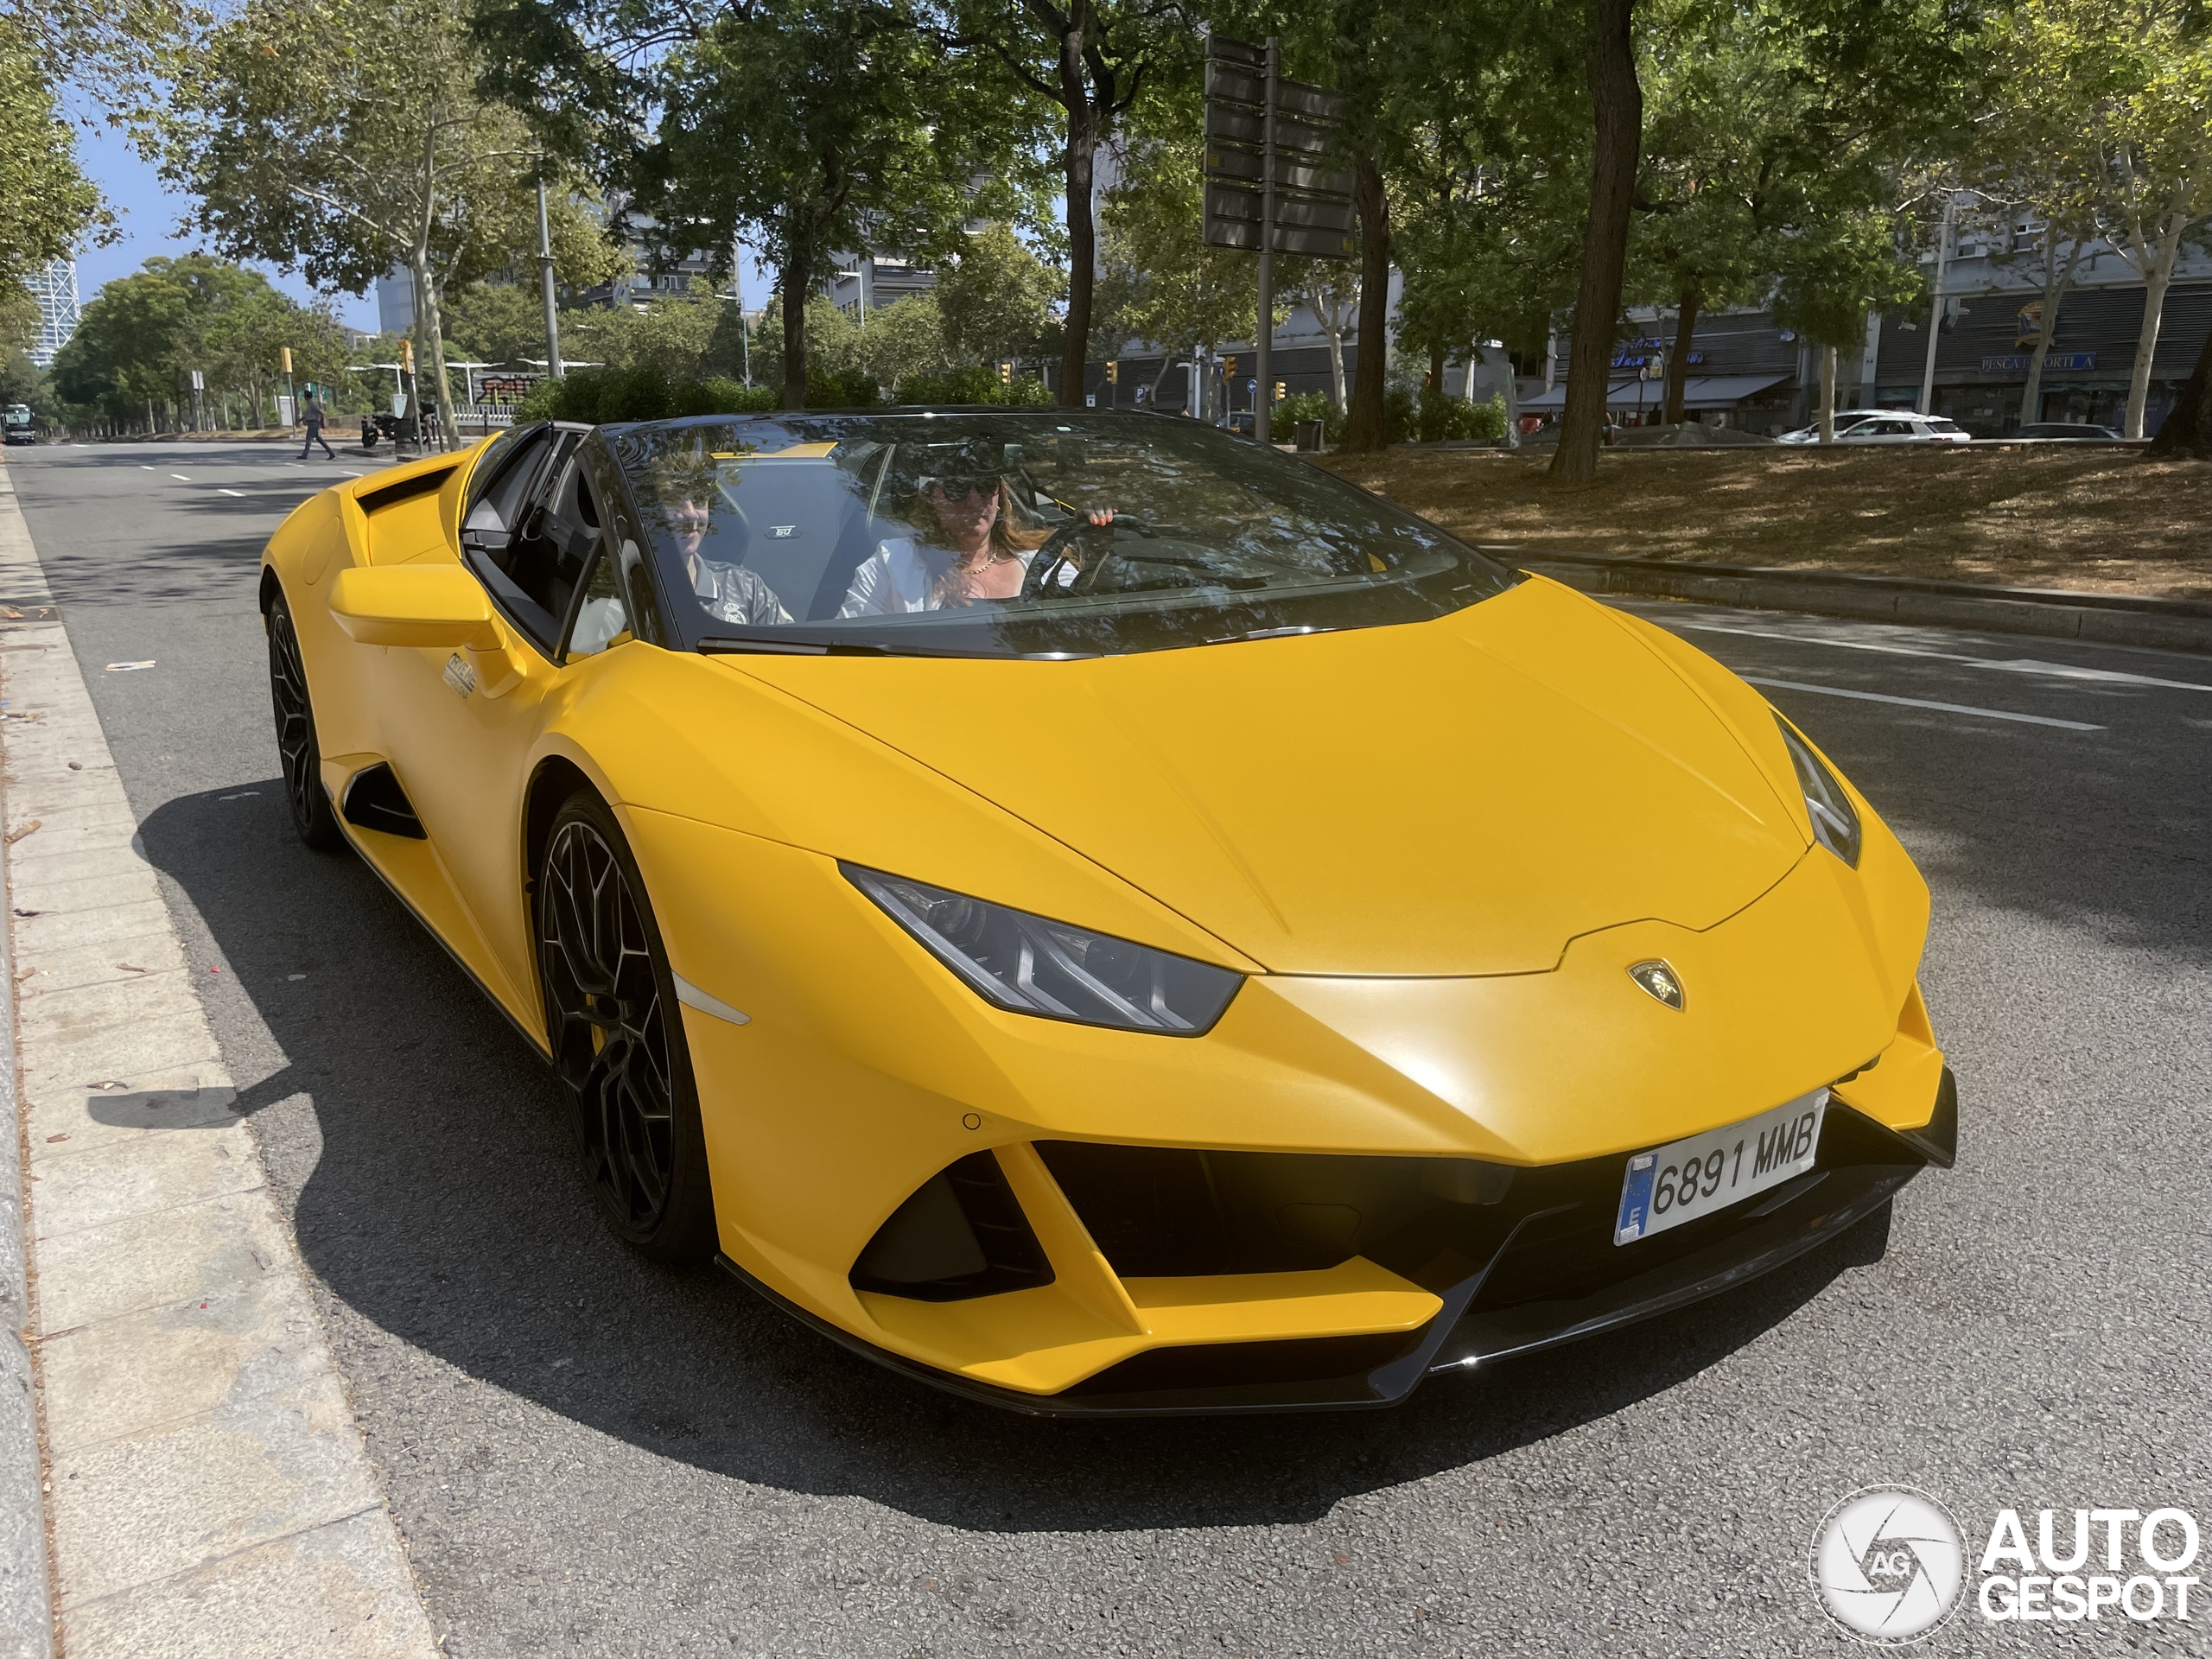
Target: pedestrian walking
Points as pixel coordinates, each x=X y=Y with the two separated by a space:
x=311 y=413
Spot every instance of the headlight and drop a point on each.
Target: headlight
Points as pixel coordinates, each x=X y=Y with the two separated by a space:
x=1835 y=821
x=1035 y=966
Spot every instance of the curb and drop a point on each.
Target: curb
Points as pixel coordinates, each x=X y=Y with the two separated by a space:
x=26 y=1601
x=211 y=1496
x=2054 y=613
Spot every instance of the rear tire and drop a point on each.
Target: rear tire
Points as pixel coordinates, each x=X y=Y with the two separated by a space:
x=297 y=751
x=616 y=1035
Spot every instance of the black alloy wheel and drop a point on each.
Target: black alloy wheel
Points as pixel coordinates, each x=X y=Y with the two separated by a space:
x=617 y=1036
x=297 y=752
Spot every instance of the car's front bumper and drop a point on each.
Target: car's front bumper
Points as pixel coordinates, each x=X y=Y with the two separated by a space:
x=1550 y=1274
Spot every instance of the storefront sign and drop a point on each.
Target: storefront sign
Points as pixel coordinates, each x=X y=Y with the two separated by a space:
x=2056 y=362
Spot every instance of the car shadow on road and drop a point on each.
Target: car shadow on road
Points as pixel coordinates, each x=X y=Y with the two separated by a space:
x=434 y=1194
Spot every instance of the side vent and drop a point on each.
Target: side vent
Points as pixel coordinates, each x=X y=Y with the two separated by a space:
x=375 y=801
x=961 y=1235
x=390 y=495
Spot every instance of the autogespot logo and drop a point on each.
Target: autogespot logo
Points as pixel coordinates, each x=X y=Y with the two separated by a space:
x=1888 y=1563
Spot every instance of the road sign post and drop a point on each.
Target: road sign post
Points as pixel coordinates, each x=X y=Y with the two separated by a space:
x=1267 y=188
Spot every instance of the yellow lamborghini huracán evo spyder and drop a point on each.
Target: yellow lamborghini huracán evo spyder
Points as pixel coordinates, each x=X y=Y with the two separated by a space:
x=1100 y=915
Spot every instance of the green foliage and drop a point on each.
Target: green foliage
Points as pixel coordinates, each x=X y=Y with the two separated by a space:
x=973 y=382
x=23 y=381
x=812 y=126
x=140 y=333
x=1162 y=284
x=345 y=138
x=647 y=393
x=46 y=201
x=998 y=301
x=498 y=323
x=1438 y=418
x=1308 y=406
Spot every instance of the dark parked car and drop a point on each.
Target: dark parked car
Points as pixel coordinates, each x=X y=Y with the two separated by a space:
x=2075 y=429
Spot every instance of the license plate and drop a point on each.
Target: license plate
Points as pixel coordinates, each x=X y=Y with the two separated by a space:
x=1680 y=1182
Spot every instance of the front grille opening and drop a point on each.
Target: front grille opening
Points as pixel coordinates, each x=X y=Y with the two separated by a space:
x=1247 y=1365
x=961 y=1234
x=1174 y=1212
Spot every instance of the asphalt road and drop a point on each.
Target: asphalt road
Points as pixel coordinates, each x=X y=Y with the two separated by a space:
x=590 y=1456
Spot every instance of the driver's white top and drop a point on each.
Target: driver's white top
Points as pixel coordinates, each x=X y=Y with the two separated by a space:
x=899 y=577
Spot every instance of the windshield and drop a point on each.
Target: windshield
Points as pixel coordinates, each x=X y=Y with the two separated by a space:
x=1019 y=535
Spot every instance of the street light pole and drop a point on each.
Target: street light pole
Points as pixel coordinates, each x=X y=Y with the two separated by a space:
x=545 y=281
x=1935 y=307
x=1263 y=395
x=737 y=292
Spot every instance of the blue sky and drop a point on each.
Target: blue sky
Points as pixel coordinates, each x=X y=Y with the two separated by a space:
x=148 y=211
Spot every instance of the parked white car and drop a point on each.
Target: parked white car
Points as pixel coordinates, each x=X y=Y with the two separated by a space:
x=1885 y=426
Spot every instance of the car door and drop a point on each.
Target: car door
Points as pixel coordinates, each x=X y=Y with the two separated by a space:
x=461 y=725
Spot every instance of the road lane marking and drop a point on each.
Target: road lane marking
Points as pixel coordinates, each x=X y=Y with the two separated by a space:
x=221 y=491
x=180 y=478
x=1923 y=702
x=2011 y=665
x=145 y=468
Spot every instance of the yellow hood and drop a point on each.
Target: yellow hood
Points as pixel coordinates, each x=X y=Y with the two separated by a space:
x=1454 y=797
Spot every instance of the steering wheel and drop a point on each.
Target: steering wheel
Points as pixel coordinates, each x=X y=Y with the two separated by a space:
x=1053 y=553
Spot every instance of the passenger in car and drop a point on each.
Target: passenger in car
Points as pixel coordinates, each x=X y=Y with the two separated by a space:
x=728 y=593
x=974 y=551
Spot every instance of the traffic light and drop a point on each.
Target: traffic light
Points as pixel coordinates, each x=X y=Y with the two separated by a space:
x=1229 y=367
x=1282 y=390
x=1113 y=374
x=1006 y=374
x=284 y=354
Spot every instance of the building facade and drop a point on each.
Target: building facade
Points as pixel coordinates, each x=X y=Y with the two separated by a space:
x=55 y=288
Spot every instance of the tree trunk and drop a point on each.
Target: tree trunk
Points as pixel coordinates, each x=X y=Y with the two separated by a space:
x=2155 y=283
x=2055 y=281
x=1618 y=101
x=1827 y=394
x=1436 y=369
x=1363 y=422
x=433 y=346
x=2188 y=429
x=1082 y=247
x=1678 y=366
x=1336 y=364
x=795 y=279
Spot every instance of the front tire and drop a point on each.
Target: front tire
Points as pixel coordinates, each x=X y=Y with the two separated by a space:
x=616 y=1035
x=297 y=752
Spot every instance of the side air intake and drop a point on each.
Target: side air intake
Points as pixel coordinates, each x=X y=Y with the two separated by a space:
x=375 y=801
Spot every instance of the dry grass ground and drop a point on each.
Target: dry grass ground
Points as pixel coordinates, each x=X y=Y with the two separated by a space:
x=2104 y=519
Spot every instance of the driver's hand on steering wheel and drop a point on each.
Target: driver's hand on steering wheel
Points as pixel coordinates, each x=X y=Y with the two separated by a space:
x=1101 y=516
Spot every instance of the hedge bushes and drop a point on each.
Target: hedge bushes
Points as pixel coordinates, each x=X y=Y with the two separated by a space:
x=976 y=383
x=1429 y=417
x=599 y=396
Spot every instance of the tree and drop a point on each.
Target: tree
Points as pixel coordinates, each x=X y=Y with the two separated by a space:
x=906 y=339
x=1832 y=276
x=1092 y=59
x=1331 y=292
x=809 y=127
x=1169 y=288
x=2188 y=427
x=344 y=138
x=1617 y=98
x=2154 y=150
x=140 y=334
x=46 y=201
x=996 y=300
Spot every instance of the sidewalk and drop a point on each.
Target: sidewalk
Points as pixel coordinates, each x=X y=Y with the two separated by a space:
x=208 y=1493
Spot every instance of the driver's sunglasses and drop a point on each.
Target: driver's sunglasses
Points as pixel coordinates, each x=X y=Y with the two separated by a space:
x=964 y=489
x=690 y=524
